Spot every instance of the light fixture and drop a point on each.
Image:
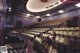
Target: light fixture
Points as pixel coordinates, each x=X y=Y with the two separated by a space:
x=63 y=0
x=61 y=11
x=10 y=9
x=48 y=14
x=38 y=17
x=6 y=37
x=28 y=14
x=78 y=5
x=19 y=39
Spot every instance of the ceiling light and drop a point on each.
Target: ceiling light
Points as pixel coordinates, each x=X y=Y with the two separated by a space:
x=28 y=14
x=6 y=37
x=38 y=17
x=48 y=14
x=19 y=39
x=65 y=0
x=61 y=11
x=10 y=9
x=78 y=5
x=60 y=3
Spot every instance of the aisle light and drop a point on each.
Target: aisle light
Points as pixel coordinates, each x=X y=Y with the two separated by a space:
x=61 y=11
x=78 y=5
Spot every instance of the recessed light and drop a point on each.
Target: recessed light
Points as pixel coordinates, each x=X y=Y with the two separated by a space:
x=48 y=14
x=19 y=39
x=28 y=14
x=78 y=5
x=10 y=9
x=38 y=17
x=61 y=11
x=6 y=37
x=64 y=0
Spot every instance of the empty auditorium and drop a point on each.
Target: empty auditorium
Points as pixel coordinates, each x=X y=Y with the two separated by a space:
x=39 y=26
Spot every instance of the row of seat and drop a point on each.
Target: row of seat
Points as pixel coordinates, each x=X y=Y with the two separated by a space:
x=67 y=28
x=32 y=32
x=54 y=23
x=67 y=33
x=60 y=37
x=14 y=50
x=49 y=48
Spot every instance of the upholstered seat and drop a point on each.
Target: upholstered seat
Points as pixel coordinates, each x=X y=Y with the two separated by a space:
x=46 y=45
x=71 y=28
x=65 y=33
x=70 y=33
x=77 y=28
x=54 y=51
x=49 y=48
x=64 y=40
x=76 y=33
x=57 y=38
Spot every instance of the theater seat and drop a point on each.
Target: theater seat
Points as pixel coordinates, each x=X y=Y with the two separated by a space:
x=46 y=45
x=30 y=35
x=57 y=32
x=54 y=50
x=11 y=51
x=36 y=33
x=60 y=32
x=77 y=28
x=67 y=28
x=49 y=48
x=64 y=40
x=14 y=31
x=64 y=33
x=57 y=38
x=76 y=33
x=63 y=28
x=71 y=28
x=15 y=51
x=43 y=43
x=70 y=33
x=59 y=28
x=50 y=32
x=45 y=35
x=38 y=39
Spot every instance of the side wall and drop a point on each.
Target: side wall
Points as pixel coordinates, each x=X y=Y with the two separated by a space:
x=27 y=22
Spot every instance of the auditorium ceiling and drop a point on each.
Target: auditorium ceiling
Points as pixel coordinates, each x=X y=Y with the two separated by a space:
x=42 y=8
